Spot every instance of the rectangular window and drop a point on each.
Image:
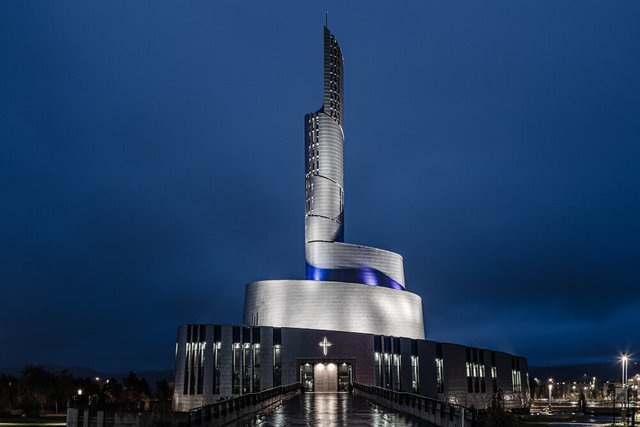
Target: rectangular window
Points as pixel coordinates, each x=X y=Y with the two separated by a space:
x=236 y=368
x=397 y=384
x=277 y=357
x=201 y=366
x=494 y=372
x=469 y=370
x=440 y=375
x=469 y=378
x=515 y=378
x=387 y=370
x=415 y=367
x=246 y=368
x=187 y=361
x=515 y=374
x=194 y=356
x=186 y=368
x=217 y=345
x=236 y=365
x=255 y=335
x=201 y=347
x=439 y=368
x=482 y=372
x=277 y=365
x=518 y=384
x=256 y=368
x=476 y=379
x=415 y=374
x=216 y=367
x=378 y=368
x=377 y=359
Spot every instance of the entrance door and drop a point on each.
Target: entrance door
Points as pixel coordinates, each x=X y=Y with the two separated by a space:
x=325 y=378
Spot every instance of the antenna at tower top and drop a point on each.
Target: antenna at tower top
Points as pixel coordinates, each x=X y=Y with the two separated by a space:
x=326 y=18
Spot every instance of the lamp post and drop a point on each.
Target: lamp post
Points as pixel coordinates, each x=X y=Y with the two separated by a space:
x=550 y=388
x=625 y=361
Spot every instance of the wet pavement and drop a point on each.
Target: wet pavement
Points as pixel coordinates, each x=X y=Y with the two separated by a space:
x=332 y=409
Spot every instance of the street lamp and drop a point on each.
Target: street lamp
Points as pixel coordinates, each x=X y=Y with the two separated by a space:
x=625 y=360
x=550 y=387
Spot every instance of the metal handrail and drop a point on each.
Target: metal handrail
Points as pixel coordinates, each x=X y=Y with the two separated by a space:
x=404 y=397
x=236 y=403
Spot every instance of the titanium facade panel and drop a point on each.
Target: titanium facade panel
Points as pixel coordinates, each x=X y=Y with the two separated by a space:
x=338 y=306
x=344 y=262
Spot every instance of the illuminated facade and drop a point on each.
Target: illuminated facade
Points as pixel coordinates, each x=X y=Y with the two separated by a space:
x=327 y=256
x=350 y=319
x=348 y=287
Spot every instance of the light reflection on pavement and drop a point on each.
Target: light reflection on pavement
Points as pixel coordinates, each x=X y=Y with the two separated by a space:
x=332 y=409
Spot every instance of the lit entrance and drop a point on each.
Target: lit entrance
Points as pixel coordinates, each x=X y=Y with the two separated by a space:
x=325 y=376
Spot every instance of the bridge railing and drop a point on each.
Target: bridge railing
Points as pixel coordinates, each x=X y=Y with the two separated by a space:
x=429 y=409
x=240 y=406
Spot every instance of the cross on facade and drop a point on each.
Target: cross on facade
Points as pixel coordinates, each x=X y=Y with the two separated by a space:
x=324 y=344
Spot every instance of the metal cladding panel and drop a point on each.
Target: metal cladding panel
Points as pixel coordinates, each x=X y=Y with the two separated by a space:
x=341 y=256
x=331 y=150
x=327 y=198
x=320 y=228
x=337 y=306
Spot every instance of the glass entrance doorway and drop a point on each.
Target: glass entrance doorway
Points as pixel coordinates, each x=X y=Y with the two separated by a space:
x=344 y=376
x=325 y=376
x=306 y=376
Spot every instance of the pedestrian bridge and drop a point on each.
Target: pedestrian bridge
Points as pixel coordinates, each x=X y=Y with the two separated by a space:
x=331 y=409
x=360 y=405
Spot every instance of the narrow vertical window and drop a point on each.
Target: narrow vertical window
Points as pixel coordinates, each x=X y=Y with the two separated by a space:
x=476 y=381
x=256 y=359
x=217 y=346
x=246 y=368
x=187 y=355
x=377 y=359
x=386 y=360
x=397 y=374
x=515 y=375
x=415 y=367
x=202 y=343
x=236 y=365
x=387 y=370
x=246 y=360
x=469 y=368
x=194 y=355
x=494 y=372
x=482 y=373
x=439 y=368
x=277 y=357
x=494 y=377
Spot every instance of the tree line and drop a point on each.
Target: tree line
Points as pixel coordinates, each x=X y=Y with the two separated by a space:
x=37 y=392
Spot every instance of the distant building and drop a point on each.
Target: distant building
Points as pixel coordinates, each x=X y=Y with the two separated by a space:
x=351 y=319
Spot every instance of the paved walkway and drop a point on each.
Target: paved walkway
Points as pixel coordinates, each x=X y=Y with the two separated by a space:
x=332 y=409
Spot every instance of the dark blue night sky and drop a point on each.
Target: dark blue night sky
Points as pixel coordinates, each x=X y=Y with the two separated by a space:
x=152 y=164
